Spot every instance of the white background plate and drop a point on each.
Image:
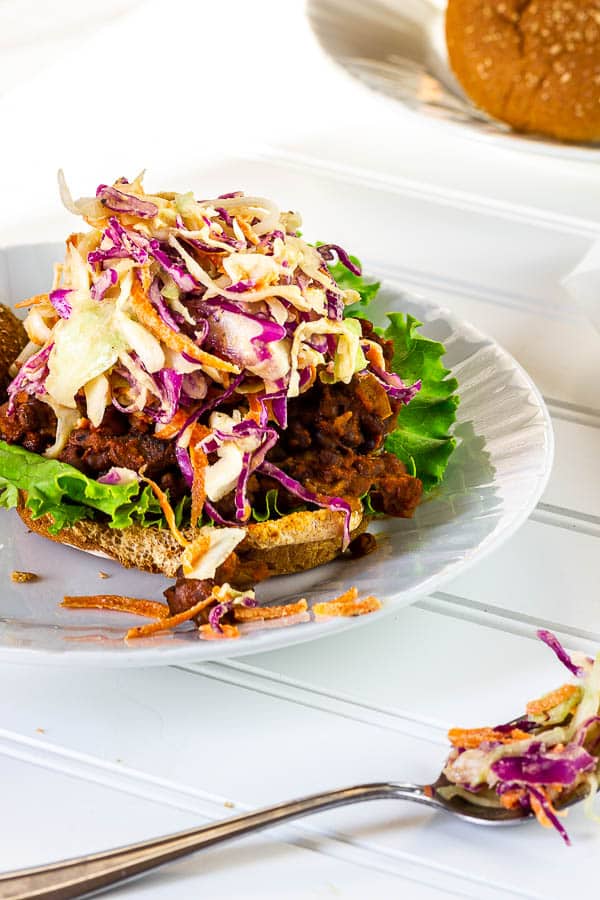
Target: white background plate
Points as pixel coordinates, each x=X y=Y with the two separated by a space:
x=495 y=478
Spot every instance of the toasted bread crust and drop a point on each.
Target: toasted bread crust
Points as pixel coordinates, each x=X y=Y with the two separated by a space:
x=294 y=543
x=12 y=340
x=535 y=65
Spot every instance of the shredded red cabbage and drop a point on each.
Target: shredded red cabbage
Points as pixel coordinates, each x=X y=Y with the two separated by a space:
x=582 y=731
x=242 y=509
x=394 y=385
x=58 y=299
x=216 y=516
x=195 y=385
x=533 y=767
x=335 y=306
x=158 y=302
x=175 y=269
x=120 y=243
x=125 y=203
x=103 y=283
x=169 y=383
x=214 y=403
x=240 y=286
x=115 y=475
x=325 y=251
x=217 y=613
x=224 y=215
x=184 y=463
x=31 y=377
x=552 y=641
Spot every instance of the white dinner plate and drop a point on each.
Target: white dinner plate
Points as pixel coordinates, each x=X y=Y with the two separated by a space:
x=398 y=48
x=494 y=480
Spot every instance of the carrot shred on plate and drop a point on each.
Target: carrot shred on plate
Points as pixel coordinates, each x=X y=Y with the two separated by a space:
x=171 y=621
x=208 y=633
x=137 y=607
x=471 y=738
x=347 y=604
x=251 y=613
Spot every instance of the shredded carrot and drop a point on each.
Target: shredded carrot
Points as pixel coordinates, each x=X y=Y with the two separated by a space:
x=167 y=510
x=175 y=340
x=199 y=464
x=554 y=698
x=471 y=738
x=347 y=604
x=150 y=608
x=347 y=597
x=512 y=799
x=247 y=231
x=255 y=408
x=208 y=633
x=164 y=432
x=250 y=613
x=170 y=621
x=32 y=301
x=374 y=354
x=311 y=378
x=539 y=811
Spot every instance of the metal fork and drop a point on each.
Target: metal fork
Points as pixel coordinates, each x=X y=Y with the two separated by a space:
x=87 y=875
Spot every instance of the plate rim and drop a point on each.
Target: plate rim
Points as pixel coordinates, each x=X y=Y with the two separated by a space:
x=148 y=656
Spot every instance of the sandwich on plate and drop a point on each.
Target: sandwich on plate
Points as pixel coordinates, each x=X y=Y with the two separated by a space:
x=202 y=394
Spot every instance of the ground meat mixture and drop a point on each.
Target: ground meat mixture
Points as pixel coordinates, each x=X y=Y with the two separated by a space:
x=185 y=593
x=354 y=416
x=120 y=440
x=32 y=424
x=347 y=474
x=125 y=441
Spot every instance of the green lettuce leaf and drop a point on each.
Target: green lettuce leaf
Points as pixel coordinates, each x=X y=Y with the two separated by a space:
x=68 y=495
x=270 y=511
x=422 y=439
x=366 y=289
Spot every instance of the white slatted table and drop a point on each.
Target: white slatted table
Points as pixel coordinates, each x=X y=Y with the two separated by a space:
x=93 y=759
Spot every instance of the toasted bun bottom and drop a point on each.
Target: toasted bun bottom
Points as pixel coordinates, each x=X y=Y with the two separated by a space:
x=294 y=543
x=12 y=340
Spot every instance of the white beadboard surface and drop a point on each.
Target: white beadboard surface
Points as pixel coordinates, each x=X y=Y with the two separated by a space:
x=240 y=95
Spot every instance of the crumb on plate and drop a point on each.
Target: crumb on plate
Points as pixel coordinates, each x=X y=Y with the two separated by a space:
x=22 y=577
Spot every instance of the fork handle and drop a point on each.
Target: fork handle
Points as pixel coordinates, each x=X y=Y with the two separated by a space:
x=85 y=875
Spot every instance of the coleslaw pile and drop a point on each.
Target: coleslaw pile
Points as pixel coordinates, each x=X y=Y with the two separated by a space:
x=539 y=759
x=173 y=307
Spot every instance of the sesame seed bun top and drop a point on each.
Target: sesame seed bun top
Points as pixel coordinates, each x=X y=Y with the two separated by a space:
x=534 y=64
